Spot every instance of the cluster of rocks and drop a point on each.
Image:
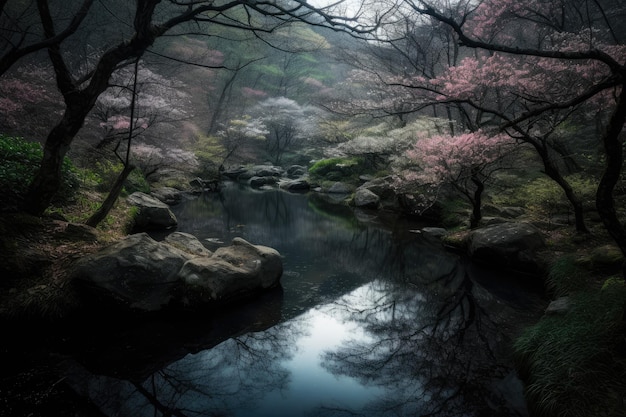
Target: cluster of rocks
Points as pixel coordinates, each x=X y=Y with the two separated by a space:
x=142 y=275
x=502 y=241
x=294 y=178
x=372 y=193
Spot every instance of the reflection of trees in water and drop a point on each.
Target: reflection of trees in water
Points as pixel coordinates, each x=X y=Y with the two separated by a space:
x=432 y=346
x=236 y=373
x=436 y=352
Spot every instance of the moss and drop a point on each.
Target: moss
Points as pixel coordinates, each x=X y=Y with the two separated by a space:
x=340 y=165
x=603 y=257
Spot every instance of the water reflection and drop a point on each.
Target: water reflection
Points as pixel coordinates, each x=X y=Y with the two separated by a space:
x=374 y=321
x=437 y=353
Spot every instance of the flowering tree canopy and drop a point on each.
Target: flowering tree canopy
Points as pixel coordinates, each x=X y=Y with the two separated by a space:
x=465 y=162
x=141 y=24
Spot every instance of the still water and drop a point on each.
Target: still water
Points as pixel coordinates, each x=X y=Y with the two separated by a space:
x=372 y=319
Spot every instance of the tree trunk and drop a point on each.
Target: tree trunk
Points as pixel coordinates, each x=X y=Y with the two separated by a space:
x=219 y=107
x=613 y=150
x=108 y=203
x=47 y=181
x=477 y=202
x=553 y=172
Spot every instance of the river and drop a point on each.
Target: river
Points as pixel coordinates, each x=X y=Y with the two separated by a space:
x=372 y=318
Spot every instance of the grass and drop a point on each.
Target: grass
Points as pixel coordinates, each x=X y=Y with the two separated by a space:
x=574 y=363
x=566 y=277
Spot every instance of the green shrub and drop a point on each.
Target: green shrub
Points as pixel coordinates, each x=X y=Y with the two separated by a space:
x=105 y=173
x=19 y=161
x=340 y=165
x=136 y=182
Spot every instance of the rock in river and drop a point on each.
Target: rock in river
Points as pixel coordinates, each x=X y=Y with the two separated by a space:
x=142 y=275
x=511 y=245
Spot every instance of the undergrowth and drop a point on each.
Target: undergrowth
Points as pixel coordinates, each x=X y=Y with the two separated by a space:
x=573 y=363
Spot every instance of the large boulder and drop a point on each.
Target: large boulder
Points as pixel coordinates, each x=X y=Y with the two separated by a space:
x=364 y=198
x=297 y=185
x=384 y=188
x=168 y=195
x=137 y=273
x=511 y=245
x=233 y=272
x=187 y=243
x=258 y=182
x=296 y=171
x=339 y=188
x=142 y=275
x=153 y=214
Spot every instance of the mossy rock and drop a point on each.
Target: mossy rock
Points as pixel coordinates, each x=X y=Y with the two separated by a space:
x=607 y=256
x=613 y=283
x=343 y=167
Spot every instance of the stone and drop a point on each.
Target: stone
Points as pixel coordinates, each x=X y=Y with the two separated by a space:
x=267 y=171
x=559 y=306
x=153 y=214
x=511 y=245
x=232 y=273
x=435 y=231
x=339 y=188
x=235 y=173
x=364 y=198
x=258 y=181
x=605 y=256
x=296 y=171
x=296 y=185
x=197 y=183
x=141 y=275
x=167 y=195
x=383 y=188
x=136 y=273
x=187 y=243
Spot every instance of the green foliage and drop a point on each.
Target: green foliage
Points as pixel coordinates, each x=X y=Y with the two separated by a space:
x=19 y=161
x=569 y=360
x=567 y=277
x=210 y=152
x=545 y=196
x=136 y=182
x=613 y=283
x=131 y=215
x=454 y=212
x=325 y=166
x=104 y=173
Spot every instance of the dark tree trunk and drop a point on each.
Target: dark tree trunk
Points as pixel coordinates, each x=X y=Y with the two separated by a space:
x=219 y=107
x=553 y=172
x=114 y=194
x=79 y=102
x=47 y=180
x=613 y=150
x=477 y=202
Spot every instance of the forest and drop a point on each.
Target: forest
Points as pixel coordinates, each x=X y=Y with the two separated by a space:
x=461 y=110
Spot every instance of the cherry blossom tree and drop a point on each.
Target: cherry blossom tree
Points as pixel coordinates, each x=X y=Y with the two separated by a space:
x=466 y=162
x=148 y=20
x=287 y=122
x=28 y=100
x=237 y=132
x=159 y=101
x=554 y=60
